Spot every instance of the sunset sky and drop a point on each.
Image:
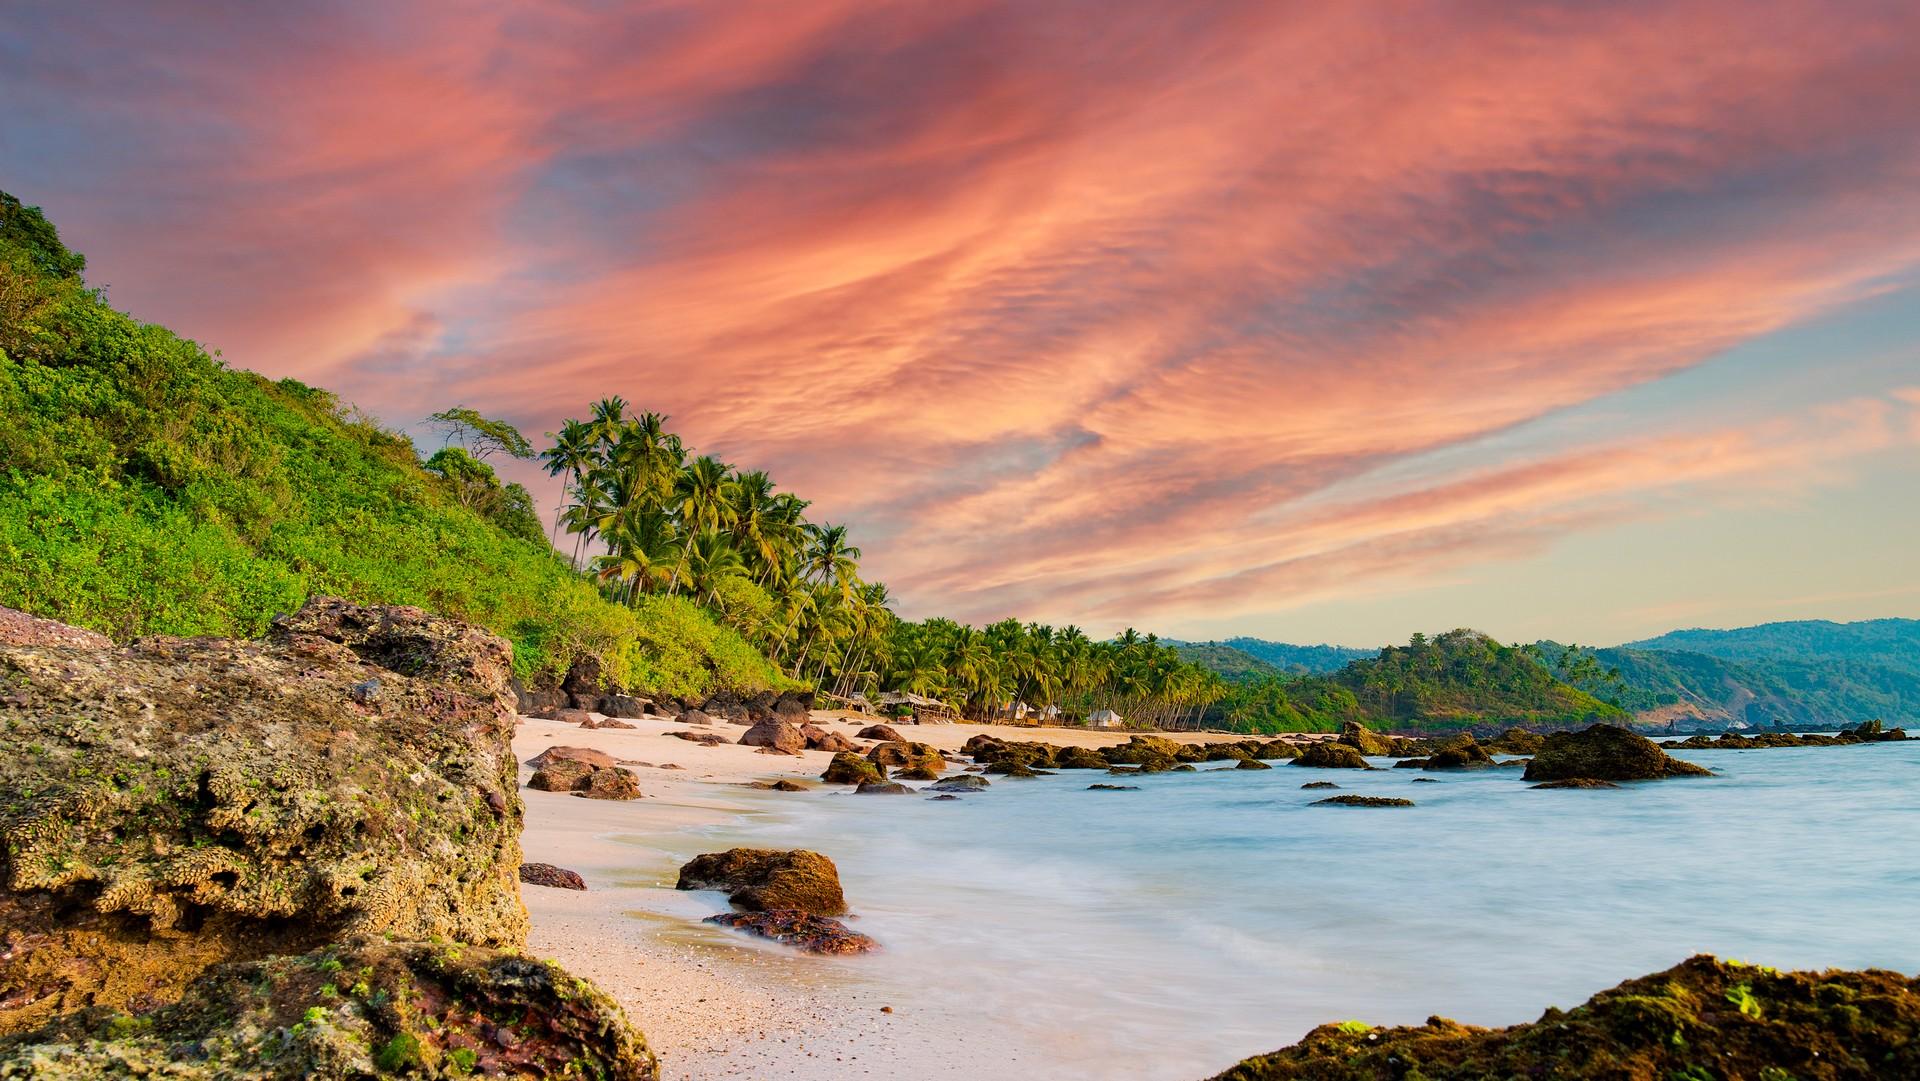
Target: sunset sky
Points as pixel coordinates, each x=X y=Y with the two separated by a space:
x=1319 y=322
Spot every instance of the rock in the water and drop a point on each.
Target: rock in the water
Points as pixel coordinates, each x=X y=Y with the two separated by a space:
x=1365 y=740
x=1140 y=750
x=1460 y=752
x=881 y=732
x=964 y=782
x=1113 y=788
x=804 y=932
x=849 y=768
x=1319 y=784
x=364 y=1009
x=944 y=796
x=1516 y=741
x=1425 y=780
x=1079 y=758
x=615 y=783
x=761 y=879
x=546 y=874
x=1362 y=801
x=1747 y=1022
x=1607 y=753
x=777 y=734
x=1577 y=782
x=203 y=800
x=1331 y=756
x=883 y=788
x=593 y=758
x=1251 y=763
x=782 y=786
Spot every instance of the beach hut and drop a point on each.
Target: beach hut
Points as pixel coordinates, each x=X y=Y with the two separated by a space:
x=1018 y=711
x=925 y=710
x=1103 y=718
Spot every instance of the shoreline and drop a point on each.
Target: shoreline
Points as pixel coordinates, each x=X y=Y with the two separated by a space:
x=713 y=1003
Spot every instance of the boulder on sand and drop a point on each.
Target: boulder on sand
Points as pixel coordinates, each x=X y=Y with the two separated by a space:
x=546 y=874
x=615 y=783
x=560 y=775
x=565 y=715
x=694 y=716
x=1327 y=755
x=594 y=758
x=850 y=768
x=1607 y=753
x=764 y=879
x=881 y=732
x=777 y=734
x=819 y=739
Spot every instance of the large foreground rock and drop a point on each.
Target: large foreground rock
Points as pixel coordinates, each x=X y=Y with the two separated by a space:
x=766 y=879
x=1604 y=752
x=1700 y=1019
x=364 y=1009
x=776 y=734
x=176 y=803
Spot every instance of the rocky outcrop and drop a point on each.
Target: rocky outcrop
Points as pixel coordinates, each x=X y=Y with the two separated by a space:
x=963 y=782
x=819 y=739
x=1362 y=801
x=727 y=706
x=615 y=784
x=224 y=859
x=849 y=768
x=765 y=879
x=1606 y=753
x=1869 y=732
x=902 y=758
x=1331 y=756
x=586 y=676
x=804 y=932
x=884 y=733
x=19 y=628
x=175 y=803
x=624 y=706
x=1516 y=741
x=883 y=788
x=588 y=756
x=585 y=779
x=1700 y=1019
x=362 y=1009
x=546 y=874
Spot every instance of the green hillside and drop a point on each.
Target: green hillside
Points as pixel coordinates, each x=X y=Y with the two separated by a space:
x=146 y=487
x=1299 y=660
x=1233 y=665
x=1663 y=685
x=1458 y=680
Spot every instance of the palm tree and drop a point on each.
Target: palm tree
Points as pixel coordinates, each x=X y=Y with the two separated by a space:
x=572 y=452
x=702 y=495
x=711 y=559
x=643 y=551
x=828 y=558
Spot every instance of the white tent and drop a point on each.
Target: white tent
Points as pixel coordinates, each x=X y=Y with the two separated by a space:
x=1103 y=718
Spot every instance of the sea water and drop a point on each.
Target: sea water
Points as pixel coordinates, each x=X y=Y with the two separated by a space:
x=1170 y=931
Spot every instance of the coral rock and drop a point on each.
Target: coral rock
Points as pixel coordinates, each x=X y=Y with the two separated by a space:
x=760 y=879
x=546 y=874
x=804 y=932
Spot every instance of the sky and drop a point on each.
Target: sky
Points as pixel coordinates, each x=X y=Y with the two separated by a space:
x=1316 y=322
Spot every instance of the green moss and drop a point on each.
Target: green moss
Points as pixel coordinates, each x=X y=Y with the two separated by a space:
x=398 y=1053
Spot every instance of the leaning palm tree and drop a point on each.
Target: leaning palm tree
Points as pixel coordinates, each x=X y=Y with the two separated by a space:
x=572 y=452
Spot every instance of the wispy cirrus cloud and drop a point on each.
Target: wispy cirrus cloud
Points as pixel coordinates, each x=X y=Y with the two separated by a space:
x=1078 y=311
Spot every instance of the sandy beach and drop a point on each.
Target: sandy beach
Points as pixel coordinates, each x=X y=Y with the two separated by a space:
x=715 y=1004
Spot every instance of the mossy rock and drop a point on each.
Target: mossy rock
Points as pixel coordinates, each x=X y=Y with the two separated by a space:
x=1700 y=1019
x=1362 y=801
x=1516 y=741
x=1460 y=752
x=1329 y=755
x=1140 y=749
x=363 y=1009
x=908 y=756
x=175 y=803
x=762 y=879
x=850 y=768
x=1576 y=782
x=1607 y=753
x=1365 y=740
x=1079 y=758
x=1251 y=763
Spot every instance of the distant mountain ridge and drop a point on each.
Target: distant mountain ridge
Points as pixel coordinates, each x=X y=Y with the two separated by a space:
x=1797 y=674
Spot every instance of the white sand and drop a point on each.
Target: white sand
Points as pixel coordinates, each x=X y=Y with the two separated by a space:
x=714 y=1004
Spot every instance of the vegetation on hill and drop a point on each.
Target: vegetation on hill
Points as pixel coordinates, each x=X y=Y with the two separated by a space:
x=1661 y=686
x=1233 y=665
x=1457 y=680
x=650 y=519
x=146 y=487
x=1889 y=643
x=1299 y=660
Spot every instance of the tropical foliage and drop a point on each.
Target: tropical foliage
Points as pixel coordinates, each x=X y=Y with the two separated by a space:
x=145 y=487
x=647 y=518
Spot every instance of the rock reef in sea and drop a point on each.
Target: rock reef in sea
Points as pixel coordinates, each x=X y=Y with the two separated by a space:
x=1703 y=1018
x=1606 y=752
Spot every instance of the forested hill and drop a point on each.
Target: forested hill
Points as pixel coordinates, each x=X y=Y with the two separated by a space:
x=1802 y=675
x=1231 y=664
x=1458 y=680
x=1885 y=643
x=146 y=487
x=1299 y=660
